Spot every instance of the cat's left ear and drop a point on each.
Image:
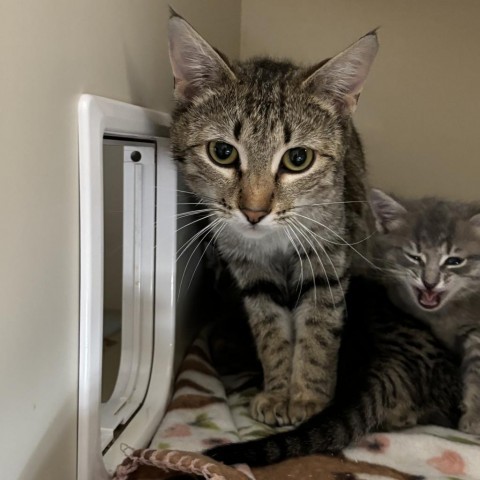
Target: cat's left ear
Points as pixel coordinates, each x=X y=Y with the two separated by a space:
x=196 y=65
x=344 y=75
x=388 y=213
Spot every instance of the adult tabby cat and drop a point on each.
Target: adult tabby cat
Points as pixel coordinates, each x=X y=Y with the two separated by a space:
x=270 y=150
x=430 y=251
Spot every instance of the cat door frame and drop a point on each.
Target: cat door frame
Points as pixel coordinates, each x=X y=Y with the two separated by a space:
x=138 y=240
x=99 y=117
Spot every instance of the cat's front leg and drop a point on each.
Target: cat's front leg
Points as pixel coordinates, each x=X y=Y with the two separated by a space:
x=470 y=420
x=271 y=324
x=318 y=321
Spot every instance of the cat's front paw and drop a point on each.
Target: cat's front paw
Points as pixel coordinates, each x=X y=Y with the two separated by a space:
x=470 y=423
x=270 y=408
x=303 y=406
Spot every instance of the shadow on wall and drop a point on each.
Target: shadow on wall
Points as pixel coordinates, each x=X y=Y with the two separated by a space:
x=137 y=78
x=45 y=461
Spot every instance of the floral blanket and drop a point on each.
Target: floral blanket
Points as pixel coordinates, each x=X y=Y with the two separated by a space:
x=208 y=409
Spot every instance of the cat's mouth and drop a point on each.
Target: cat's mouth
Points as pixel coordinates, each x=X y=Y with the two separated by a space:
x=429 y=299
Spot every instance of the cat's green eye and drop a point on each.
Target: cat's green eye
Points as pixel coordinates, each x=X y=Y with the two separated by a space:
x=454 y=261
x=222 y=153
x=297 y=159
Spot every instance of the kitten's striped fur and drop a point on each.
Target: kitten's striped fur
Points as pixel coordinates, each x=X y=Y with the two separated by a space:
x=430 y=253
x=284 y=236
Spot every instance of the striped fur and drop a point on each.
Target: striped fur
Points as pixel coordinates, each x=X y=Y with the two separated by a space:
x=393 y=373
x=293 y=265
x=416 y=239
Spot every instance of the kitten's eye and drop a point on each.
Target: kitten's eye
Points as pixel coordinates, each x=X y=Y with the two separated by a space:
x=297 y=159
x=453 y=261
x=414 y=258
x=222 y=153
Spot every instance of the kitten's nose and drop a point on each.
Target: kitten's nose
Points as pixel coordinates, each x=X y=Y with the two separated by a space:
x=254 y=216
x=428 y=285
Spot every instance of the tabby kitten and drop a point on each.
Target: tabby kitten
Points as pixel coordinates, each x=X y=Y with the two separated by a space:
x=392 y=373
x=270 y=150
x=430 y=252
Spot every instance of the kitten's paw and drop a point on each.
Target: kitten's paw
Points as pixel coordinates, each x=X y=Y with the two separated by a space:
x=470 y=423
x=270 y=408
x=303 y=406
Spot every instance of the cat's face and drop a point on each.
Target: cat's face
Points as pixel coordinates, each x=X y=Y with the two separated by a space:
x=429 y=249
x=258 y=139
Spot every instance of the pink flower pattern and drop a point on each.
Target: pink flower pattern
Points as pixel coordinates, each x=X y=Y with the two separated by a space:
x=448 y=462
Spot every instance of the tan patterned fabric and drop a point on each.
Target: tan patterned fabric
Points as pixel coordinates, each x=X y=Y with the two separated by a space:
x=207 y=409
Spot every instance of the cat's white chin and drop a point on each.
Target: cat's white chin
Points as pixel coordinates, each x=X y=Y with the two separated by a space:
x=253 y=231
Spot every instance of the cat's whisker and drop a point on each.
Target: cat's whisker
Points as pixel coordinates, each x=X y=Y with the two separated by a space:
x=187 y=244
x=318 y=257
x=327 y=203
x=329 y=259
x=197 y=203
x=340 y=237
x=200 y=196
x=300 y=277
x=212 y=240
x=194 y=212
x=294 y=230
x=195 y=221
x=212 y=226
x=332 y=242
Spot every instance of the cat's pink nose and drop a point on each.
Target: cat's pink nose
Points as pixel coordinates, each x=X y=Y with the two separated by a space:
x=254 y=216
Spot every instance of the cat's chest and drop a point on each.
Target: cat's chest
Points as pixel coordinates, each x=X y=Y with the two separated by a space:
x=269 y=249
x=450 y=324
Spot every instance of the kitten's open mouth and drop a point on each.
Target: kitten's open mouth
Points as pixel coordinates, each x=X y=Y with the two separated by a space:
x=429 y=299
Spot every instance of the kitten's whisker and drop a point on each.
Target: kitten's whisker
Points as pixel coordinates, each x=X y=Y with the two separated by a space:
x=340 y=237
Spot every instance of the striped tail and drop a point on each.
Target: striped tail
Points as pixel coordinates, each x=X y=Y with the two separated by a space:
x=333 y=429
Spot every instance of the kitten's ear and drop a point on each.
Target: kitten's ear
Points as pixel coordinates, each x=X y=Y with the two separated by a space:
x=343 y=76
x=387 y=211
x=196 y=65
x=475 y=220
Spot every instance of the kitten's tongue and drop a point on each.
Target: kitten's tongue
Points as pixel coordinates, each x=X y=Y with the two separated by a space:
x=428 y=299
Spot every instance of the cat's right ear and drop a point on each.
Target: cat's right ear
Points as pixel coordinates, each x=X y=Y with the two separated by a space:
x=387 y=211
x=196 y=65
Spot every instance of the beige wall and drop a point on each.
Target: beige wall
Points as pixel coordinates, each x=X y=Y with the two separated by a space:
x=51 y=51
x=419 y=114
